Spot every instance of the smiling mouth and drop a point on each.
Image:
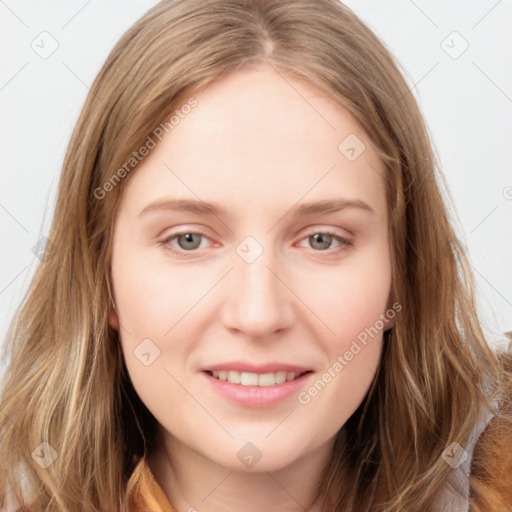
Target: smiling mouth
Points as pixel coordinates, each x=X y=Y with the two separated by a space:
x=255 y=379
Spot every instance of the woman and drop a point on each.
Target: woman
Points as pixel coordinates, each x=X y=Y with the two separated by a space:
x=256 y=369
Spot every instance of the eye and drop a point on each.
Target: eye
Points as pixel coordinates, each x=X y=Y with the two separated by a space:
x=187 y=241
x=322 y=240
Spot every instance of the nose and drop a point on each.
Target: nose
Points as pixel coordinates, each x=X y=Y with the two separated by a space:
x=258 y=302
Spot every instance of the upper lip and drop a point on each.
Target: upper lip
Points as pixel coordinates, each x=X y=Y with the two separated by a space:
x=241 y=366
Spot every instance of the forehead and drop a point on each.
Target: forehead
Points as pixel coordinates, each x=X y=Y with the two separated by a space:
x=257 y=138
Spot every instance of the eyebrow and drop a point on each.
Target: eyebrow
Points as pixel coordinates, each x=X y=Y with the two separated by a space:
x=216 y=209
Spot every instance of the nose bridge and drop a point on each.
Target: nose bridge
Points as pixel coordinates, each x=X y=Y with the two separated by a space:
x=258 y=302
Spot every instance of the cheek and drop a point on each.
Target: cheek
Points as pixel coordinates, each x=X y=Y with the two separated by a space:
x=161 y=310
x=352 y=303
x=152 y=297
x=152 y=301
x=350 y=298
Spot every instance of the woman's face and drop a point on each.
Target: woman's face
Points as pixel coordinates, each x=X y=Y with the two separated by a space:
x=285 y=269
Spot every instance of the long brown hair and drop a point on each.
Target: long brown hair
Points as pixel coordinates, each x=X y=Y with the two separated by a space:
x=71 y=421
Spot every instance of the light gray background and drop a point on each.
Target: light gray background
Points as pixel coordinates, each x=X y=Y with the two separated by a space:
x=467 y=102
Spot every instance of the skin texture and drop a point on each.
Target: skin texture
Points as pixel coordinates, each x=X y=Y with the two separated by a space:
x=258 y=145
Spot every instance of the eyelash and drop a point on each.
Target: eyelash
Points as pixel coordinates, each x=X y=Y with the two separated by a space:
x=166 y=244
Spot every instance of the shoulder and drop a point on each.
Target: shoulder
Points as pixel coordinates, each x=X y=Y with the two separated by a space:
x=492 y=460
x=455 y=495
x=491 y=468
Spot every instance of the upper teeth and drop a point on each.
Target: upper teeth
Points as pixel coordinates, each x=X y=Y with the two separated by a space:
x=255 y=379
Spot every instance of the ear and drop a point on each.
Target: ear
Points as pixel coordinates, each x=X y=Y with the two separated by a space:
x=392 y=310
x=113 y=319
x=390 y=324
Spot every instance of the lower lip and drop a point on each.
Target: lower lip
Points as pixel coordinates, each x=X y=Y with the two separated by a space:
x=257 y=396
